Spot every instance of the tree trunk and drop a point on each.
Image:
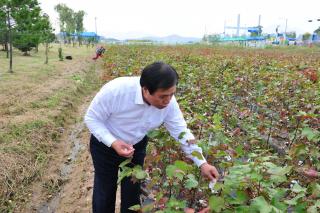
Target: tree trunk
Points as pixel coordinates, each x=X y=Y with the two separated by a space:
x=10 y=41
x=47 y=50
x=6 y=48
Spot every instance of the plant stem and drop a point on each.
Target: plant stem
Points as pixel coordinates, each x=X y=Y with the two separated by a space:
x=295 y=133
x=269 y=135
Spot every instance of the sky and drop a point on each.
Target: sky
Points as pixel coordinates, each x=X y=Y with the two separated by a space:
x=124 y=19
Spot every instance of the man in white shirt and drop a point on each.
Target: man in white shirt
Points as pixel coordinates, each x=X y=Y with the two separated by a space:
x=120 y=116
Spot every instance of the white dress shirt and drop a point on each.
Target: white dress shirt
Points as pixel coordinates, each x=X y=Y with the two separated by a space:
x=118 y=111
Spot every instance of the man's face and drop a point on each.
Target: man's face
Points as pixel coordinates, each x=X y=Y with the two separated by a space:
x=160 y=98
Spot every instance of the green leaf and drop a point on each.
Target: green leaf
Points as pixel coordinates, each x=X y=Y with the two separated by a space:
x=315 y=189
x=179 y=175
x=170 y=170
x=239 y=150
x=174 y=203
x=135 y=207
x=276 y=170
x=278 y=178
x=300 y=149
x=261 y=205
x=279 y=204
x=141 y=174
x=182 y=165
x=124 y=163
x=242 y=209
x=309 y=133
x=126 y=172
x=240 y=198
x=173 y=171
x=277 y=193
x=240 y=169
x=256 y=176
x=216 y=203
x=153 y=133
x=191 y=182
x=300 y=207
x=181 y=135
x=197 y=155
x=312 y=209
x=297 y=188
x=294 y=200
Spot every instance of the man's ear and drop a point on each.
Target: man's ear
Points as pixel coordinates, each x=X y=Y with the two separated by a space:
x=145 y=90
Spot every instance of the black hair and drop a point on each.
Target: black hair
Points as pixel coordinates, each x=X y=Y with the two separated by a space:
x=158 y=75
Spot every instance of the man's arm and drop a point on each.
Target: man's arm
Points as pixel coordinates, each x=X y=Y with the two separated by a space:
x=98 y=113
x=175 y=124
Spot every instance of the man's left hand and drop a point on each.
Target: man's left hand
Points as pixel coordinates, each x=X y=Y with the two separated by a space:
x=209 y=171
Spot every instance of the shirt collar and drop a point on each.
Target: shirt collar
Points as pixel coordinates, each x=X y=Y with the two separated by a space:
x=139 y=98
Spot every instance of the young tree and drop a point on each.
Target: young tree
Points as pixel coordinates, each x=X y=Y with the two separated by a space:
x=71 y=22
x=23 y=24
x=47 y=35
x=213 y=38
x=28 y=33
x=306 y=36
x=45 y=31
x=78 y=16
x=291 y=34
x=317 y=31
x=7 y=8
x=67 y=22
x=256 y=32
x=3 y=31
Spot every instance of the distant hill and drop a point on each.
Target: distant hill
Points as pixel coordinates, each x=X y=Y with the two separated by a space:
x=172 y=39
x=109 y=40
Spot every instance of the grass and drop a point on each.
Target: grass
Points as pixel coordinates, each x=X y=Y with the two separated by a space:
x=31 y=117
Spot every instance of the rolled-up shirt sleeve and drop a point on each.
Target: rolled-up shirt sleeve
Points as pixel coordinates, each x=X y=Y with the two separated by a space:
x=177 y=127
x=98 y=112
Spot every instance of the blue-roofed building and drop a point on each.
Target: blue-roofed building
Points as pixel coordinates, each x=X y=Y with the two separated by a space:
x=84 y=35
x=89 y=35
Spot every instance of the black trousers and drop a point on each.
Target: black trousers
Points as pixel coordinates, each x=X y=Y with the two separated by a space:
x=106 y=165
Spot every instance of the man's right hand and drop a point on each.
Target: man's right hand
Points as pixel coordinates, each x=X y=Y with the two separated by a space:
x=123 y=149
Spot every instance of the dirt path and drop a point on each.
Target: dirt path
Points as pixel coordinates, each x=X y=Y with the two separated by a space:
x=77 y=172
x=71 y=171
x=66 y=184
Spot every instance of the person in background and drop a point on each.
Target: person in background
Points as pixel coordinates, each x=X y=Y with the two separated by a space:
x=119 y=118
x=99 y=52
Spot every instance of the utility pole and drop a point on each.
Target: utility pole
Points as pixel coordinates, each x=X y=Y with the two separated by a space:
x=95 y=23
x=259 y=26
x=238 y=26
x=285 y=30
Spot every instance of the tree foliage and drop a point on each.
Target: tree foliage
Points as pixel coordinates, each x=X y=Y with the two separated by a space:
x=256 y=33
x=291 y=34
x=71 y=22
x=306 y=36
x=3 y=28
x=317 y=31
x=213 y=38
x=23 y=25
